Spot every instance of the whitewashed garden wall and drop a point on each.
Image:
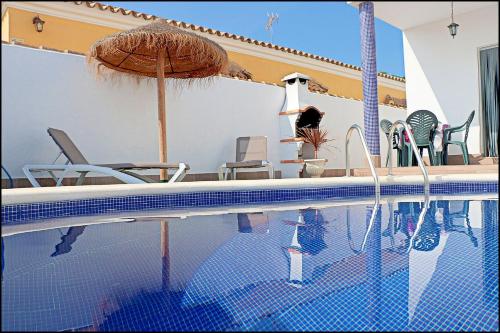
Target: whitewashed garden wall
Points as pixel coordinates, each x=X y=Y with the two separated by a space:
x=116 y=122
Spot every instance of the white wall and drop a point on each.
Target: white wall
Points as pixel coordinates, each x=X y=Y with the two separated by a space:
x=116 y=122
x=442 y=73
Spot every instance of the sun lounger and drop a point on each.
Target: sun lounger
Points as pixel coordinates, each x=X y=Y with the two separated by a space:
x=78 y=163
x=251 y=152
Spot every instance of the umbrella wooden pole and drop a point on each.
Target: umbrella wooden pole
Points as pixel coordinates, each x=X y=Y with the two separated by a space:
x=162 y=131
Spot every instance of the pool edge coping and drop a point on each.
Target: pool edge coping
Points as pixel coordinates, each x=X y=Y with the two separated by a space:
x=65 y=193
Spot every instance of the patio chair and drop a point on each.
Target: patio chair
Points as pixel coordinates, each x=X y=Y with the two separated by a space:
x=386 y=125
x=78 y=163
x=423 y=124
x=463 y=144
x=251 y=152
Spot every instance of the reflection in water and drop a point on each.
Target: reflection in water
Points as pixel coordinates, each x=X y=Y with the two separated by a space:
x=253 y=223
x=161 y=311
x=370 y=219
x=438 y=219
x=289 y=270
x=165 y=256
x=429 y=234
x=307 y=239
x=67 y=240
x=374 y=268
x=449 y=217
x=489 y=209
x=406 y=218
x=311 y=234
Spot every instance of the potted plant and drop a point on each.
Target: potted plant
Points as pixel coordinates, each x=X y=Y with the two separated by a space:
x=316 y=137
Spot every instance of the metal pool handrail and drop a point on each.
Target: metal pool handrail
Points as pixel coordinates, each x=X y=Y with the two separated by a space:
x=368 y=156
x=415 y=151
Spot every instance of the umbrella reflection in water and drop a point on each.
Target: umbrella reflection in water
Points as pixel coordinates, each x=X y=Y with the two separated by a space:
x=67 y=240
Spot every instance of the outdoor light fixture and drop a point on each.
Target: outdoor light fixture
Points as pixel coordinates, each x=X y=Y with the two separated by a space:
x=38 y=22
x=453 y=26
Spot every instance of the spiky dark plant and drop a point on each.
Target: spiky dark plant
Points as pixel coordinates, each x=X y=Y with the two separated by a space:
x=315 y=136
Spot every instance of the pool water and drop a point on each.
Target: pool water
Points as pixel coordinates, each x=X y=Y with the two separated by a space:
x=346 y=268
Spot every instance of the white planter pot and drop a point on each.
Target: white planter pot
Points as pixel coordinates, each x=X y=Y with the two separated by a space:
x=315 y=168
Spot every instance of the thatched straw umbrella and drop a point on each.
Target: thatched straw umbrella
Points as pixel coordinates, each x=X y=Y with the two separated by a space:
x=159 y=50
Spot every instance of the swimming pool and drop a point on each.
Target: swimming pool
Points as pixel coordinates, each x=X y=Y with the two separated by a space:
x=349 y=266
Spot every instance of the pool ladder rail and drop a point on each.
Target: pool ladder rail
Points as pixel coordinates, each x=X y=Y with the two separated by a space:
x=358 y=129
x=415 y=152
x=376 y=206
x=393 y=128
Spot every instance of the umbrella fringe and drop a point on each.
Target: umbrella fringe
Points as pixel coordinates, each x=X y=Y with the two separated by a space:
x=103 y=73
x=153 y=37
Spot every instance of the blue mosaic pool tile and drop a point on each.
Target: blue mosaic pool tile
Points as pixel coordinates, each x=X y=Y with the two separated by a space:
x=46 y=210
x=115 y=276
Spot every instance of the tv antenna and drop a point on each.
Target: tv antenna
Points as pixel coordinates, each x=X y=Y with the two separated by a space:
x=271 y=19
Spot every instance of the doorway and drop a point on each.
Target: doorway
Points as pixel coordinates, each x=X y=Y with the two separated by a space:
x=489 y=84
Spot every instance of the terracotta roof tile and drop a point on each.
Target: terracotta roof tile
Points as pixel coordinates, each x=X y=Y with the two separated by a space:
x=211 y=31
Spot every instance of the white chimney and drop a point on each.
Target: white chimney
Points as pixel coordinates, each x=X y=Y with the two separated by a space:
x=297 y=102
x=297 y=91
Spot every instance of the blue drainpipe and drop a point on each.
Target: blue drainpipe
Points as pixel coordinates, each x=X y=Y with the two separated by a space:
x=369 y=77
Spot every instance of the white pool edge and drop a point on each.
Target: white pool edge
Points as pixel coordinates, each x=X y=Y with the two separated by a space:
x=48 y=194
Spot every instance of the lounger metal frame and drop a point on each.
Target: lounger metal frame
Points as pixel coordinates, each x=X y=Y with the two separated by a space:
x=224 y=170
x=125 y=176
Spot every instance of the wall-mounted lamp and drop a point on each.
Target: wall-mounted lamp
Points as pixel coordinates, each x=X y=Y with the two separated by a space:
x=38 y=22
x=453 y=26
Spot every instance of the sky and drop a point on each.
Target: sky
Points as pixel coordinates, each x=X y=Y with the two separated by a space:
x=329 y=29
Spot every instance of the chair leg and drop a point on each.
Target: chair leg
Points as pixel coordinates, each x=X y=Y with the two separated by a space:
x=445 y=154
x=431 y=156
x=80 y=179
x=436 y=161
x=409 y=162
x=465 y=153
x=432 y=153
x=421 y=152
x=404 y=155
x=222 y=172
x=270 y=171
x=409 y=155
x=439 y=158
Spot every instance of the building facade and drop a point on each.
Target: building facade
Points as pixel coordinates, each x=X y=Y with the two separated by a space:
x=75 y=25
x=452 y=75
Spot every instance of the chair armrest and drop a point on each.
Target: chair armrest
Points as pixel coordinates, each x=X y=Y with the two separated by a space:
x=454 y=129
x=450 y=130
